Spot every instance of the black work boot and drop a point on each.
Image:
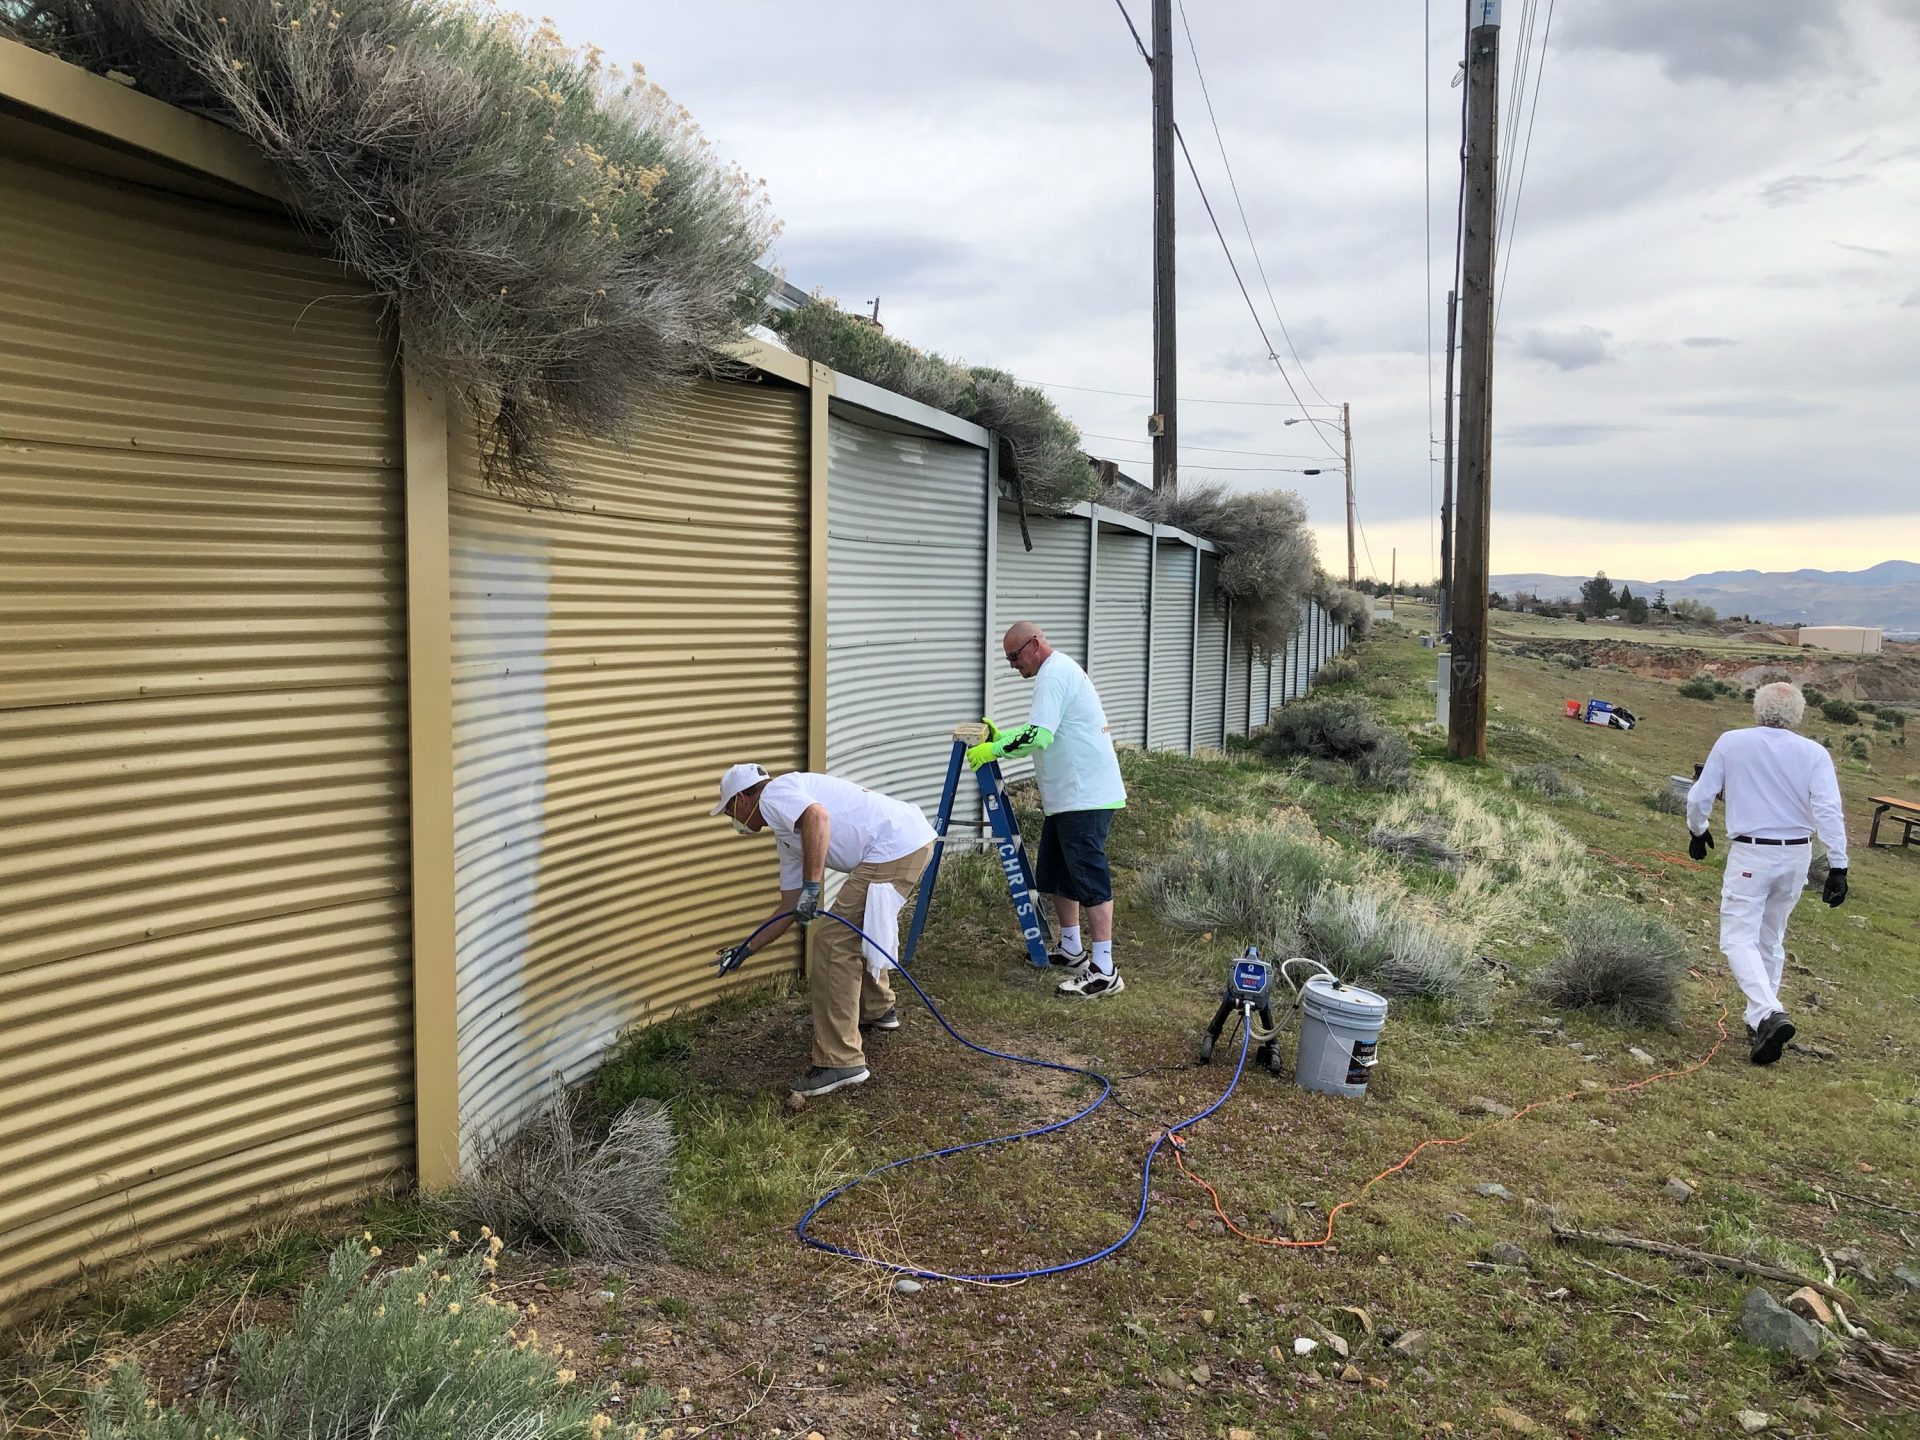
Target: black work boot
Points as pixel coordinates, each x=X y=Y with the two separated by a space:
x=1770 y=1037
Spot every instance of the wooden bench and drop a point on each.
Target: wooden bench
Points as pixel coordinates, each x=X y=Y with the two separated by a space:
x=1904 y=813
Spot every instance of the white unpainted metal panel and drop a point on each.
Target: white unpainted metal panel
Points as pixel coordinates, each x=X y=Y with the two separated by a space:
x=1210 y=664
x=1047 y=585
x=906 y=606
x=1301 y=659
x=1173 y=645
x=1239 y=662
x=1259 y=691
x=1287 y=672
x=1120 y=632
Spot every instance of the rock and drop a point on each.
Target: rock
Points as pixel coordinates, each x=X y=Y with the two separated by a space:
x=1808 y=1410
x=1423 y=1375
x=1206 y=1317
x=1492 y=1107
x=1304 y=1346
x=1753 y=1421
x=1559 y=1292
x=908 y=1287
x=1809 y=1303
x=1508 y=1253
x=1513 y=1420
x=1678 y=1189
x=540 y=1287
x=605 y=1297
x=1351 y=1375
x=1766 y=1323
x=1337 y=1343
x=1908 y=1277
x=1239 y=1432
x=1645 y=1059
x=1201 y=1374
x=1454 y=1217
x=796 y=1103
x=1413 y=1345
x=1488 y=1190
x=1857 y=1262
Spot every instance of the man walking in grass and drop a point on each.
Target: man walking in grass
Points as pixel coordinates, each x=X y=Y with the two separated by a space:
x=1780 y=790
x=1080 y=789
x=882 y=846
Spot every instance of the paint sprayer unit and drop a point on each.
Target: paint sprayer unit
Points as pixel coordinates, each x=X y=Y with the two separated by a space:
x=1339 y=1028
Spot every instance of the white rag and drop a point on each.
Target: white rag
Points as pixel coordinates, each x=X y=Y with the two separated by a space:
x=882 y=922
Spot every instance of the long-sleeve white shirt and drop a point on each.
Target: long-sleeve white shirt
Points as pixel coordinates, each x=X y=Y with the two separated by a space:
x=1779 y=786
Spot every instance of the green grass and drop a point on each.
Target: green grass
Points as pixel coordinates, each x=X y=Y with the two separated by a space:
x=1114 y=1348
x=1512 y=625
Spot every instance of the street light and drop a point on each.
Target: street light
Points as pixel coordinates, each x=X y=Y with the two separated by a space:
x=1346 y=433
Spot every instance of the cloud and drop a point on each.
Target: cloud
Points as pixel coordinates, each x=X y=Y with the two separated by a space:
x=1911 y=302
x=1547 y=435
x=1708 y=342
x=1239 y=362
x=1741 y=42
x=1798 y=189
x=1748 y=407
x=1864 y=249
x=1568 y=349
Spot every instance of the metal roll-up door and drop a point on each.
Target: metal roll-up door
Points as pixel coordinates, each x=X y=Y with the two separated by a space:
x=612 y=655
x=1210 y=664
x=1259 y=683
x=906 y=607
x=1120 y=632
x=204 y=912
x=1173 y=645
x=1239 y=664
x=1047 y=585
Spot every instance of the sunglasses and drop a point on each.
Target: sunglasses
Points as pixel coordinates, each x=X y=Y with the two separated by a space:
x=1013 y=655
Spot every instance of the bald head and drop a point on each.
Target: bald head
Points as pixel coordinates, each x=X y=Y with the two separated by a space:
x=1026 y=648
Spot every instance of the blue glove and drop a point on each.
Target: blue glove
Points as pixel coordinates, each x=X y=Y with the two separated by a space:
x=807 y=908
x=732 y=958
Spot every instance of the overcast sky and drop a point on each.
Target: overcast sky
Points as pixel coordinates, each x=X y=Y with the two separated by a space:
x=1709 y=339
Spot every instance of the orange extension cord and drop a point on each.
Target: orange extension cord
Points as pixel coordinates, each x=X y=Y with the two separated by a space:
x=1180 y=1144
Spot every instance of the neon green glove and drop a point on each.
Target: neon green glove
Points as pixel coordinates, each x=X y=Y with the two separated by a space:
x=993 y=730
x=980 y=754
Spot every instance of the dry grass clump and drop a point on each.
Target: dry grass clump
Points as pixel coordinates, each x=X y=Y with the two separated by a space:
x=1547 y=780
x=1338 y=671
x=1340 y=728
x=1616 y=959
x=1040 y=446
x=1512 y=857
x=1666 y=800
x=554 y=237
x=1423 y=837
x=555 y=1181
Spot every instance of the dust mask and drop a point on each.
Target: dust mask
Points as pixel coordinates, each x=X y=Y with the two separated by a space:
x=740 y=827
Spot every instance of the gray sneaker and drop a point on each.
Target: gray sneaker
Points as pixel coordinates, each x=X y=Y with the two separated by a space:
x=888 y=1021
x=823 y=1080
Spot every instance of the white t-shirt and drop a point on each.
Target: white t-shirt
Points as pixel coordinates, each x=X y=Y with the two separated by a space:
x=865 y=826
x=1079 y=771
x=1778 y=784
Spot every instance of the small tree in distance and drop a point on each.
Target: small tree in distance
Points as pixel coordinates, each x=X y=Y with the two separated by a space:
x=1596 y=595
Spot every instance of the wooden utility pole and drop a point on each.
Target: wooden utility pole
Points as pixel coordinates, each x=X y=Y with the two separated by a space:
x=1166 y=399
x=1446 y=490
x=1346 y=435
x=1467 y=707
x=1393 y=585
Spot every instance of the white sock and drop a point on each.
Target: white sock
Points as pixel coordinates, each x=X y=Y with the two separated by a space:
x=1103 y=956
x=1070 y=939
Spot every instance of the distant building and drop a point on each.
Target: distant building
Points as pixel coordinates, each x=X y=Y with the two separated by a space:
x=1842 y=639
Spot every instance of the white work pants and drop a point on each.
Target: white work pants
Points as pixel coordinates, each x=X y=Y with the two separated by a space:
x=1762 y=884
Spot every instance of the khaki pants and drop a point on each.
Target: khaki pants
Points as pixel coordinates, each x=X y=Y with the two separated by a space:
x=843 y=992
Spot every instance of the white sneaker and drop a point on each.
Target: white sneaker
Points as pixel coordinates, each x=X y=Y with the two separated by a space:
x=1091 y=984
x=1074 y=962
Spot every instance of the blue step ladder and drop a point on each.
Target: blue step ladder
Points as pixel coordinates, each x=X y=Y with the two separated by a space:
x=1008 y=844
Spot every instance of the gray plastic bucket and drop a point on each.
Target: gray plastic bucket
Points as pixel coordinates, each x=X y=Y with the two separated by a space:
x=1340 y=1029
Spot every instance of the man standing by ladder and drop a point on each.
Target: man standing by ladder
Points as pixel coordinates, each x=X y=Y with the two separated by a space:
x=1080 y=789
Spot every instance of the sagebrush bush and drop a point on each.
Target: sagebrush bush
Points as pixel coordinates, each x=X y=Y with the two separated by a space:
x=1545 y=780
x=552 y=236
x=555 y=1181
x=1698 y=688
x=1268 y=567
x=1339 y=728
x=1616 y=959
x=1373 y=936
x=1338 y=671
x=1859 y=747
x=423 y=1351
x=1243 y=881
x=1840 y=712
x=1666 y=800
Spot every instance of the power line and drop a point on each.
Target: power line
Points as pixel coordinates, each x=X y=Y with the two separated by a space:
x=1184 y=399
x=1426 y=215
x=1526 y=149
x=1193 y=52
x=1210 y=449
x=1246 y=469
x=1221 y=236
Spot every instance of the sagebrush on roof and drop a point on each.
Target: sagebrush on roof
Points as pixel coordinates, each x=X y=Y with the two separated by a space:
x=555 y=238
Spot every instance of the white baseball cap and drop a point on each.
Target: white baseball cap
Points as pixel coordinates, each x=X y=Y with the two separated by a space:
x=737 y=778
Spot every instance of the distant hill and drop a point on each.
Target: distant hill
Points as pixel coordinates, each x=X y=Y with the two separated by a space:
x=1887 y=595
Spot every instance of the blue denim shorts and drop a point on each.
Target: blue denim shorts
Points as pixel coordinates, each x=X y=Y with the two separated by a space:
x=1073 y=857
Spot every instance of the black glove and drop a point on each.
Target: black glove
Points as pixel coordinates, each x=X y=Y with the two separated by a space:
x=1834 y=892
x=1698 y=845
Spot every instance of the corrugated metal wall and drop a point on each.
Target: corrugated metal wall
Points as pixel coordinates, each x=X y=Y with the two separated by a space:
x=1239 y=663
x=203 y=780
x=1120 y=632
x=1173 y=588
x=1047 y=585
x=1210 y=693
x=610 y=659
x=906 y=607
x=1302 y=670
x=1259 y=707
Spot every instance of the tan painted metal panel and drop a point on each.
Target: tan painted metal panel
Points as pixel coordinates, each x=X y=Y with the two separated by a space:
x=610 y=657
x=203 y=804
